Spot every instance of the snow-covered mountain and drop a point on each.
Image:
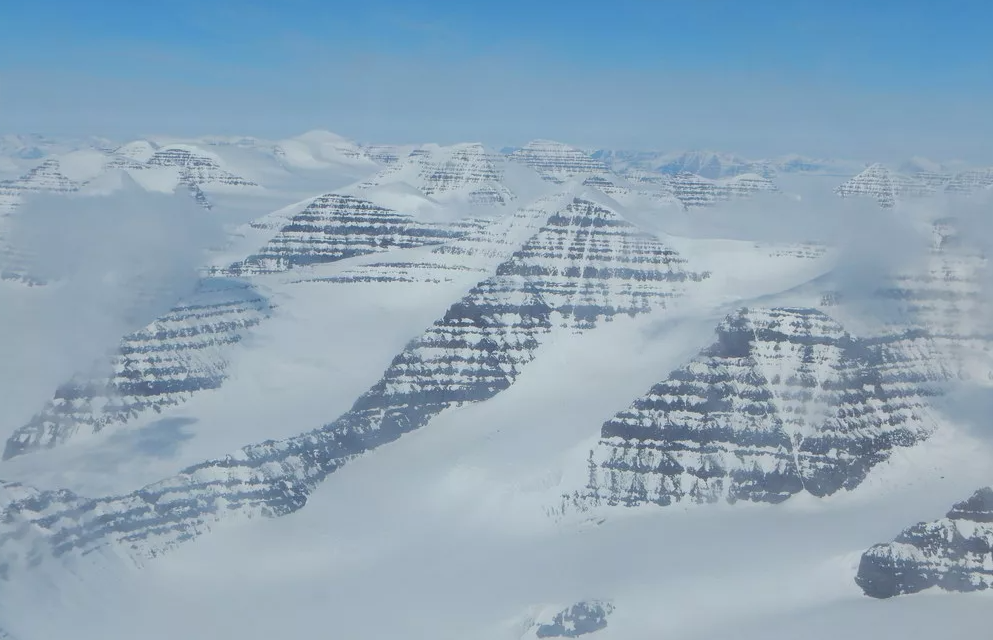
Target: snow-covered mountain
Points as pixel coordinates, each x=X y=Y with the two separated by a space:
x=716 y=165
x=952 y=553
x=464 y=172
x=784 y=401
x=557 y=162
x=502 y=375
x=889 y=187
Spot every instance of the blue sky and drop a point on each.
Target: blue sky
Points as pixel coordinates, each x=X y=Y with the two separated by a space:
x=885 y=78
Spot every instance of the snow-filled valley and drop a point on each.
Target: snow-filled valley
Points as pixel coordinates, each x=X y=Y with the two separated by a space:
x=265 y=389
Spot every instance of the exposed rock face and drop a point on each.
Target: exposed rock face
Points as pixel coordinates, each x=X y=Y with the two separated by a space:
x=45 y=177
x=178 y=355
x=970 y=181
x=954 y=553
x=748 y=183
x=696 y=191
x=584 y=266
x=382 y=153
x=557 y=162
x=334 y=227
x=885 y=186
x=578 y=620
x=398 y=272
x=196 y=168
x=605 y=185
x=462 y=169
x=784 y=401
x=199 y=196
x=658 y=191
x=889 y=187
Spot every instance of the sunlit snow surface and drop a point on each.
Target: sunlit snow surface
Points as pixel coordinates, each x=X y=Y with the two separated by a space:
x=463 y=528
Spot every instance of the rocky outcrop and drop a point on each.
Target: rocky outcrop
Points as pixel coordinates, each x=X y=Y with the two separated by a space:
x=584 y=266
x=199 y=196
x=578 y=620
x=746 y=184
x=784 y=401
x=954 y=553
x=334 y=227
x=382 y=153
x=557 y=162
x=696 y=191
x=182 y=353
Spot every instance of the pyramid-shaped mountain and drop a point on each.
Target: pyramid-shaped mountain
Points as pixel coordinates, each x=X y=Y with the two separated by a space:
x=784 y=401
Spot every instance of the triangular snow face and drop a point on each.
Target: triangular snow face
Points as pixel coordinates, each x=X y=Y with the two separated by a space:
x=557 y=162
x=179 y=354
x=885 y=186
x=334 y=227
x=952 y=553
x=784 y=401
x=585 y=265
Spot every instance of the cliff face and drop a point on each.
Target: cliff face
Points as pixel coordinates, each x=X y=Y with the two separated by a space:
x=334 y=227
x=954 y=553
x=784 y=401
x=557 y=162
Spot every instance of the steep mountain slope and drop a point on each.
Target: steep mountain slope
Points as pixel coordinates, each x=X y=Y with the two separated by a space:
x=557 y=162
x=334 y=227
x=583 y=267
x=954 y=553
x=970 y=181
x=196 y=167
x=695 y=191
x=465 y=173
x=163 y=364
x=784 y=401
x=887 y=187
x=685 y=189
